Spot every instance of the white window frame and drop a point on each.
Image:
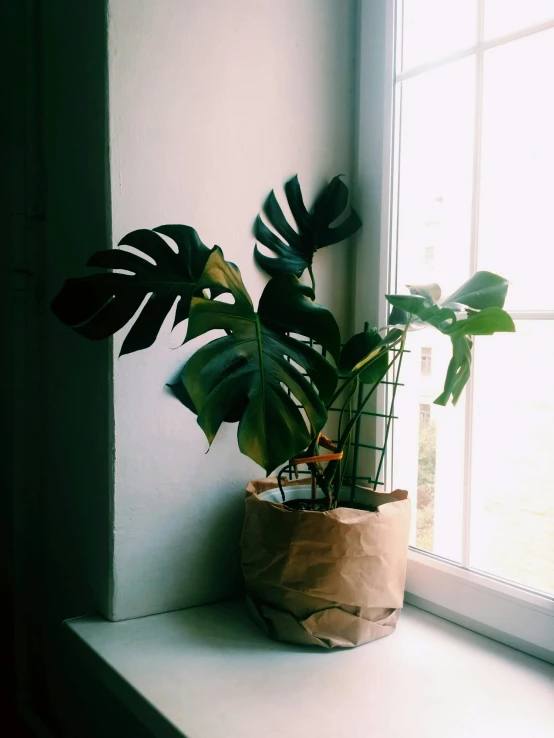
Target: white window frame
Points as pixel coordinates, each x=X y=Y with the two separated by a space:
x=489 y=605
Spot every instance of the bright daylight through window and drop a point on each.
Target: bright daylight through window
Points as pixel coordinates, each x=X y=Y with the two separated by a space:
x=473 y=188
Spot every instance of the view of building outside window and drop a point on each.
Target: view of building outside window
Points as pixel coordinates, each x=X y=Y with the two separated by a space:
x=474 y=189
x=426 y=365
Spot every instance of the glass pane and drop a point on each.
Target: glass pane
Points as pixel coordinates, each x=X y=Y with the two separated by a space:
x=435 y=176
x=428 y=450
x=516 y=236
x=507 y=16
x=432 y=29
x=434 y=228
x=512 y=499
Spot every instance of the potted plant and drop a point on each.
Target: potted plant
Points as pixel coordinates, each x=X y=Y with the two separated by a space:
x=319 y=569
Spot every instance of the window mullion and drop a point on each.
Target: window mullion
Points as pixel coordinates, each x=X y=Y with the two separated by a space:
x=480 y=46
x=532 y=314
x=473 y=261
x=432 y=65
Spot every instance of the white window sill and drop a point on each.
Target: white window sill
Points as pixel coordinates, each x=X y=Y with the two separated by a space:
x=511 y=615
x=207 y=672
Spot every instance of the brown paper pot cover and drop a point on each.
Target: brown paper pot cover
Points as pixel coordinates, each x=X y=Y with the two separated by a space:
x=329 y=579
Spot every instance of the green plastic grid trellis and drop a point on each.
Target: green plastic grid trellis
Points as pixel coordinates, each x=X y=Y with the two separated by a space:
x=352 y=479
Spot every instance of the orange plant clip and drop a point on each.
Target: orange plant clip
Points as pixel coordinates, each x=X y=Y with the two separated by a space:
x=296 y=461
x=313 y=459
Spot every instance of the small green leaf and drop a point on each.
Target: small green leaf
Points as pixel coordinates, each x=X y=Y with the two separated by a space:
x=482 y=290
x=431 y=292
x=458 y=371
x=474 y=309
x=398 y=317
x=441 y=318
x=411 y=304
x=361 y=349
x=374 y=357
x=484 y=323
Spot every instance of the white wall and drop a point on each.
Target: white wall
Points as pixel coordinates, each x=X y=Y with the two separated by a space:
x=212 y=104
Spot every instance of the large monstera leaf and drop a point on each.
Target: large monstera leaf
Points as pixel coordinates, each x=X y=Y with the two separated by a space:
x=294 y=249
x=101 y=304
x=257 y=370
x=475 y=309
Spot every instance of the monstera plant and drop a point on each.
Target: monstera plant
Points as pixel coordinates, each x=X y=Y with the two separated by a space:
x=316 y=571
x=277 y=369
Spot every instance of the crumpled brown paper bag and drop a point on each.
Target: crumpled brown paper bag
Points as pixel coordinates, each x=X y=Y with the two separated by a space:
x=333 y=578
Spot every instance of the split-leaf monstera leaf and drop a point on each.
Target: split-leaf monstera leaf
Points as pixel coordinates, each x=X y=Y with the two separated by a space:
x=251 y=370
x=294 y=249
x=99 y=305
x=475 y=309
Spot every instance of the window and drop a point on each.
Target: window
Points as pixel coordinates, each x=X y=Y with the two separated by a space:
x=424 y=414
x=429 y=256
x=426 y=366
x=467 y=182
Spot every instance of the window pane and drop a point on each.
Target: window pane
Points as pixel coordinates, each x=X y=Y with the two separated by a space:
x=512 y=498
x=428 y=447
x=432 y=29
x=506 y=16
x=434 y=230
x=516 y=237
x=435 y=176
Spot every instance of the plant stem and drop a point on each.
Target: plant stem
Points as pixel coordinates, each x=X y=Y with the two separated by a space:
x=341 y=465
x=326 y=479
x=331 y=469
x=311 y=273
x=344 y=461
x=346 y=403
x=354 y=376
x=316 y=470
x=359 y=409
x=398 y=354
